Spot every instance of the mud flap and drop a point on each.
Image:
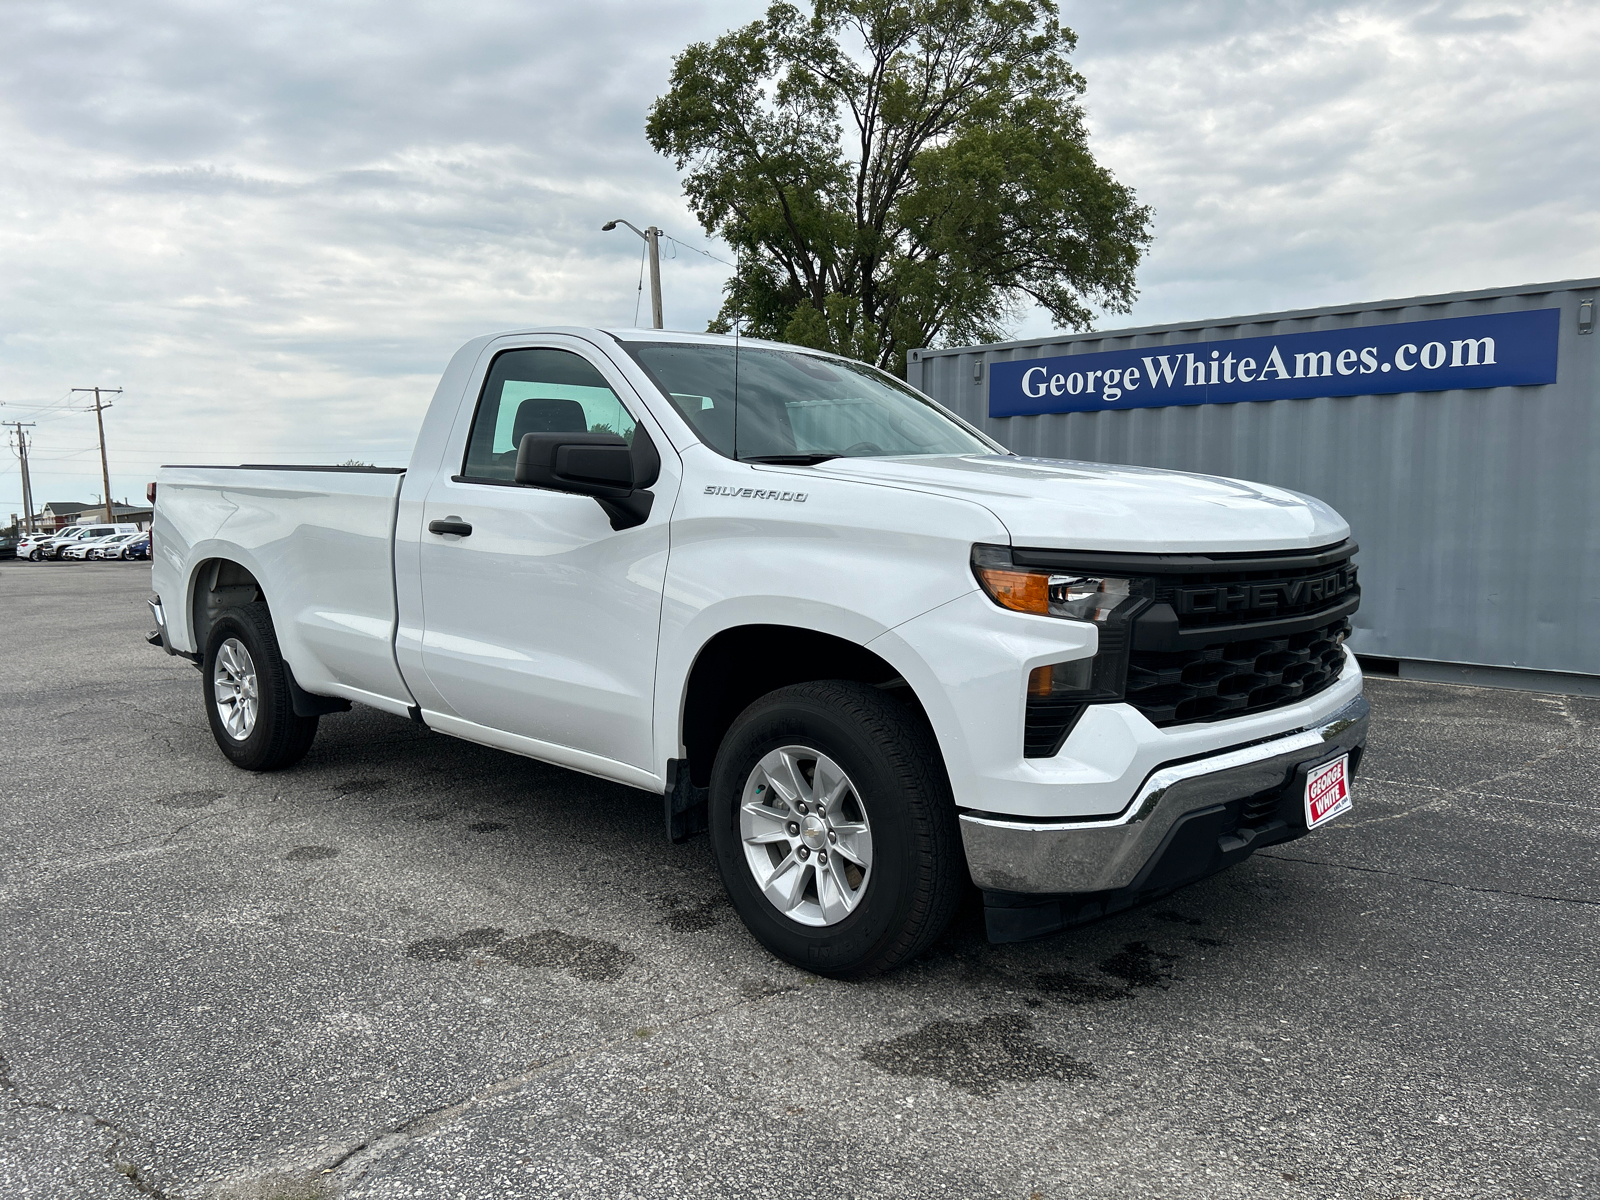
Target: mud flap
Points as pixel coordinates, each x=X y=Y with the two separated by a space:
x=687 y=806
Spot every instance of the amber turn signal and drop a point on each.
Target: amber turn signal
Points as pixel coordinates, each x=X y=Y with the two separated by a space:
x=1021 y=591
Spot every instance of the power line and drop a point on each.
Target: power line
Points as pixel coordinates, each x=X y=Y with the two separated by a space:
x=676 y=242
x=639 y=298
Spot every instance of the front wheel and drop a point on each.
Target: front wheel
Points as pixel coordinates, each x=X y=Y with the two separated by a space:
x=36 y=556
x=834 y=828
x=245 y=686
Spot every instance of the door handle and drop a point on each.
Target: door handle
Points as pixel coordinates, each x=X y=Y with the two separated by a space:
x=461 y=528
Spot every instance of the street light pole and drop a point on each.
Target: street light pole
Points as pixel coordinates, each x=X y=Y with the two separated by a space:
x=652 y=239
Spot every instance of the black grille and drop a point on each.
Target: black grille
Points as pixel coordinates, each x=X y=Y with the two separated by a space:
x=1204 y=599
x=1216 y=636
x=1231 y=679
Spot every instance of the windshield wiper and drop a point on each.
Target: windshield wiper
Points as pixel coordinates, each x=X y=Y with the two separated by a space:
x=791 y=460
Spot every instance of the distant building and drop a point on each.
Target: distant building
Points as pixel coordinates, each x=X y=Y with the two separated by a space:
x=55 y=516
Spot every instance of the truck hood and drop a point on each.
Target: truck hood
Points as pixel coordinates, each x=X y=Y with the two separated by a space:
x=1057 y=504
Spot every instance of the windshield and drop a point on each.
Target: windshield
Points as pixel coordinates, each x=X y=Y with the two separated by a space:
x=794 y=405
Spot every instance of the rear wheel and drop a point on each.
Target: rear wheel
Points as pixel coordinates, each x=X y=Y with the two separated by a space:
x=245 y=686
x=834 y=828
x=37 y=555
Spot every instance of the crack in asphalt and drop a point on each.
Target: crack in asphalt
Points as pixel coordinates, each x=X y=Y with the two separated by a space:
x=349 y=1168
x=1560 y=748
x=1317 y=862
x=148 y=843
x=1448 y=792
x=122 y=1139
x=231 y=918
x=32 y=700
x=1447 y=795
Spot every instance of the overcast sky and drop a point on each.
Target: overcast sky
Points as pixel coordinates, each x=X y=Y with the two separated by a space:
x=272 y=224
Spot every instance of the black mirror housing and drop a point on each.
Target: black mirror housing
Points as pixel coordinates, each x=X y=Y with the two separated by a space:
x=589 y=464
x=601 y=465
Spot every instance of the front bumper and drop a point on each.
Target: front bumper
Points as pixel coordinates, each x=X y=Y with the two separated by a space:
x=1186 y=821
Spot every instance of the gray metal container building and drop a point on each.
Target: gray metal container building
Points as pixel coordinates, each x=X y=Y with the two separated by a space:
x=1477 y=509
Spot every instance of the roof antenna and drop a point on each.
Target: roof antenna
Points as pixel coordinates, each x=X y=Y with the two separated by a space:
x=737 y=250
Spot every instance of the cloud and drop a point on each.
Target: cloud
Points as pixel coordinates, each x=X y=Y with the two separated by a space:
x=1319 y=153
x=272 y=224
x=272 y=227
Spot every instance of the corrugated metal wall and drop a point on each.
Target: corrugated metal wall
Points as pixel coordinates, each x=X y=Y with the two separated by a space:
x=1477 y=511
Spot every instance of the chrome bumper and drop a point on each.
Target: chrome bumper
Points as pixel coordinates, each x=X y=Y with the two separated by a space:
x=1103 y=854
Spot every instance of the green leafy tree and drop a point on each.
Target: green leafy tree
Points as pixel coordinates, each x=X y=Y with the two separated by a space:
x=899 y=173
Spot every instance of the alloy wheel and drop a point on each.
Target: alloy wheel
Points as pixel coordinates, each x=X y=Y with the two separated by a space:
x=233 y=684
x=807 y=840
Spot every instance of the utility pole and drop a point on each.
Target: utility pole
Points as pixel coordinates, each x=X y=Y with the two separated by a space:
x=652 y=239
x=105 y=471
x=652 y=236
x=27 y=484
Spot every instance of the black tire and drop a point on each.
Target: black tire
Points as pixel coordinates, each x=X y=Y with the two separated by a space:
x=36 y=555
x=279 y=738
x=918 y=873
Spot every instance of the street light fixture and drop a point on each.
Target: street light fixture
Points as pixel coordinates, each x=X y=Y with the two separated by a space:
x=652 y=238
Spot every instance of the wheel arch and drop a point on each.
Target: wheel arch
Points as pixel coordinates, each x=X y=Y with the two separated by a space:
x=217 y=583
x=742 y=663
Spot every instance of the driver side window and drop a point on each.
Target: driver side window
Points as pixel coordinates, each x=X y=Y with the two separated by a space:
x=538 y=391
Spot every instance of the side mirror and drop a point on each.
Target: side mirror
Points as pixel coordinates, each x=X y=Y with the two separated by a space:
x=601 y=465
x=588 y=464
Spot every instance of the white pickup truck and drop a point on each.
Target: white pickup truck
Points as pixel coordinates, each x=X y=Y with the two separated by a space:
x=868 y=649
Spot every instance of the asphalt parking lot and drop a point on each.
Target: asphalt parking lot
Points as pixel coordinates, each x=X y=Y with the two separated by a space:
x=412 y=967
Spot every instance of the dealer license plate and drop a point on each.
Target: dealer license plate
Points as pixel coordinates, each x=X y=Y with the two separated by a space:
x=1327 y=791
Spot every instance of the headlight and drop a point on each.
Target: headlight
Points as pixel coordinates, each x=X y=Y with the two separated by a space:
x=1057 y=693
x=1054 y=593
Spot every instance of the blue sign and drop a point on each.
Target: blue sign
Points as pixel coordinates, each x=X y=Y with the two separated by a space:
x=1506 y=349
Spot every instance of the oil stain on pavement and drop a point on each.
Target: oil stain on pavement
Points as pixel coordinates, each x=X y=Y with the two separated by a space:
x=590 y=959
x=975 y=1056
x=694 y=918
x=1140 y=966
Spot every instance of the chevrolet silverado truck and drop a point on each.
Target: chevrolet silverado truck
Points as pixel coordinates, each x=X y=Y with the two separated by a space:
x=871 y=652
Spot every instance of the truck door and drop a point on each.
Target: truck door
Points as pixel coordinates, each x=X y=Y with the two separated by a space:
x=542 y=621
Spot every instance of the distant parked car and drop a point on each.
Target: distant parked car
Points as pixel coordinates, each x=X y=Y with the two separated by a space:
x=50 y=545
x=123 y=545
x=8 y=547
x=80 y=549
x=31 y=545
x=57 y=546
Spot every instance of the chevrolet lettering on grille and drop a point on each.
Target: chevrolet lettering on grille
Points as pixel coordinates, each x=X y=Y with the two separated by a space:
x=1241 y=597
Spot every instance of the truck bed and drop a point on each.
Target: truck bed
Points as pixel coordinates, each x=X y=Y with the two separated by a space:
x=320 y=542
